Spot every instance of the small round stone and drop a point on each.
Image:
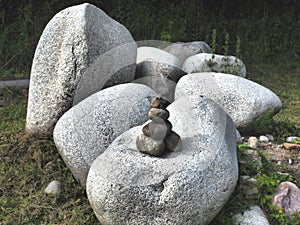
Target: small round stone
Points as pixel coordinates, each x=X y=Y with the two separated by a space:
x=156 y=112
x=157 y=130
x=173 y=142
x=159 y=102
x=54 y=187
x=150 y=146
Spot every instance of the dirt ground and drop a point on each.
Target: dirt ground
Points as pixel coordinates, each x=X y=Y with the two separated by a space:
x=284 y=160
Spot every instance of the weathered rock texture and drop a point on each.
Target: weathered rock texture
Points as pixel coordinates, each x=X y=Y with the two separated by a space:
x=248 y=103
x=253 y=216
x=188 y=187
x=183 y=50
x=205 y=62
x=81 y=51
x=87 y=129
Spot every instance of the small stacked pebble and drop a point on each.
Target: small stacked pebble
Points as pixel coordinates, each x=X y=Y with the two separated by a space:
x=158 y=137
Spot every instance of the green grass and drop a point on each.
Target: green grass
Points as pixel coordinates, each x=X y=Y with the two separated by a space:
x=283 y=78
x=13 y=74
x=28 y=164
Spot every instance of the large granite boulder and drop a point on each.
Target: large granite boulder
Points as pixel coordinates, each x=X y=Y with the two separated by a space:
x=205 y=62
x=183 y=50
x=159 y=70
x=87 y=129
x=249 y=104
x=188 y=186
x=81 y=51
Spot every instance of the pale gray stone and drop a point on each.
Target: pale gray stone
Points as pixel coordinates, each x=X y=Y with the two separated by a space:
x=87 y=129
x=270 y=136
x=264 y=139
x=205 y=62
x=183 y=50
x=291 y=139
x=54 y=187
x=81 y=51
x=247 y=102
x=253 y=142
x=163 y=68
x=253 y=216
x=189 y=186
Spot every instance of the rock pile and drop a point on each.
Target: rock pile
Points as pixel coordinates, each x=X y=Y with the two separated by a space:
x=158 y=137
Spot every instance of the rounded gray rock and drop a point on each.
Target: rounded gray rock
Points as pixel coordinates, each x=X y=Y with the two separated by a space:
x=173 y=141
x=81 y=51
x=188 y=187
x=245 y=101
x=160 y=113
x=87 y=129
x=183 y=50
x=157 y=130
x=163 y=68
x=54 y=188
x=150 y=146
x=159 y=102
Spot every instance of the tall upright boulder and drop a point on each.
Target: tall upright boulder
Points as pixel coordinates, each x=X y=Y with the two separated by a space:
x=81 y=51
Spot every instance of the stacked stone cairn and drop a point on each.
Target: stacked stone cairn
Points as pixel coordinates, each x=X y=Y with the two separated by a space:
x=158 y=137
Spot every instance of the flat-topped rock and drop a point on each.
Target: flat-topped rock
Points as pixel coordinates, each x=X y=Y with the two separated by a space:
x=189 y=186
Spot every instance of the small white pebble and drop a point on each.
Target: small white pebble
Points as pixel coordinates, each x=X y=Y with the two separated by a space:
x=291 y=139
x=286 y=174
x=253 y=142
x=264 y=139
x=290 y=161
x=53 y=188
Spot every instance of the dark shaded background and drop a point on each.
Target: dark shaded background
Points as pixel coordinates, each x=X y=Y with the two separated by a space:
x=267 y=29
